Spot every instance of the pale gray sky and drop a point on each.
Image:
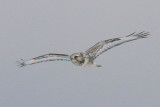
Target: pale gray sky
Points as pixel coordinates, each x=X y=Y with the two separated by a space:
x=130 y=76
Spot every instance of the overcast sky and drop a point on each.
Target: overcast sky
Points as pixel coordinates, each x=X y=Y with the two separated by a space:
x=130 y=76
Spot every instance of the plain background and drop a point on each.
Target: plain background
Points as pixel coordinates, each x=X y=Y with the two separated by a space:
x=130 y=76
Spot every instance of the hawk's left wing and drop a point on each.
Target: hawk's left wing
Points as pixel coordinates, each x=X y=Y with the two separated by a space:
x=105 y=45
x=44 y=58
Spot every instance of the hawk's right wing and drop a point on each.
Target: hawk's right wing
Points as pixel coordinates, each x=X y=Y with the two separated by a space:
x=44 y=58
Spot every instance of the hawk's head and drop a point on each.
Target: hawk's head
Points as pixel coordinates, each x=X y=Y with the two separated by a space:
x=77 y=58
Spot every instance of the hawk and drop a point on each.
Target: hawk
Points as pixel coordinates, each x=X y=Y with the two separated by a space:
x=85 y=59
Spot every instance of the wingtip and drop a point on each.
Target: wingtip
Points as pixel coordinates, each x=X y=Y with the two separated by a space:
x=21 y=63
x=142 y=34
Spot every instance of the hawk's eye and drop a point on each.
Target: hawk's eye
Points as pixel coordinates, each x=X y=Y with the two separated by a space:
x=75 y=57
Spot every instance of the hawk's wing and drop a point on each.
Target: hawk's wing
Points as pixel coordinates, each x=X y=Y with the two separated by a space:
x=105 y=45
x=44 y=58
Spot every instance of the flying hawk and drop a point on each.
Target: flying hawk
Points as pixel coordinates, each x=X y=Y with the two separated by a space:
x=85 y=59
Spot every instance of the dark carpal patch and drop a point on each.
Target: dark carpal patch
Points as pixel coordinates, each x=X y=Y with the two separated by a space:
x=112 y=40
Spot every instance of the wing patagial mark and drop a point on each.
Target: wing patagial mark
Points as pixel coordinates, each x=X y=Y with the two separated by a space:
x=50 y=54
